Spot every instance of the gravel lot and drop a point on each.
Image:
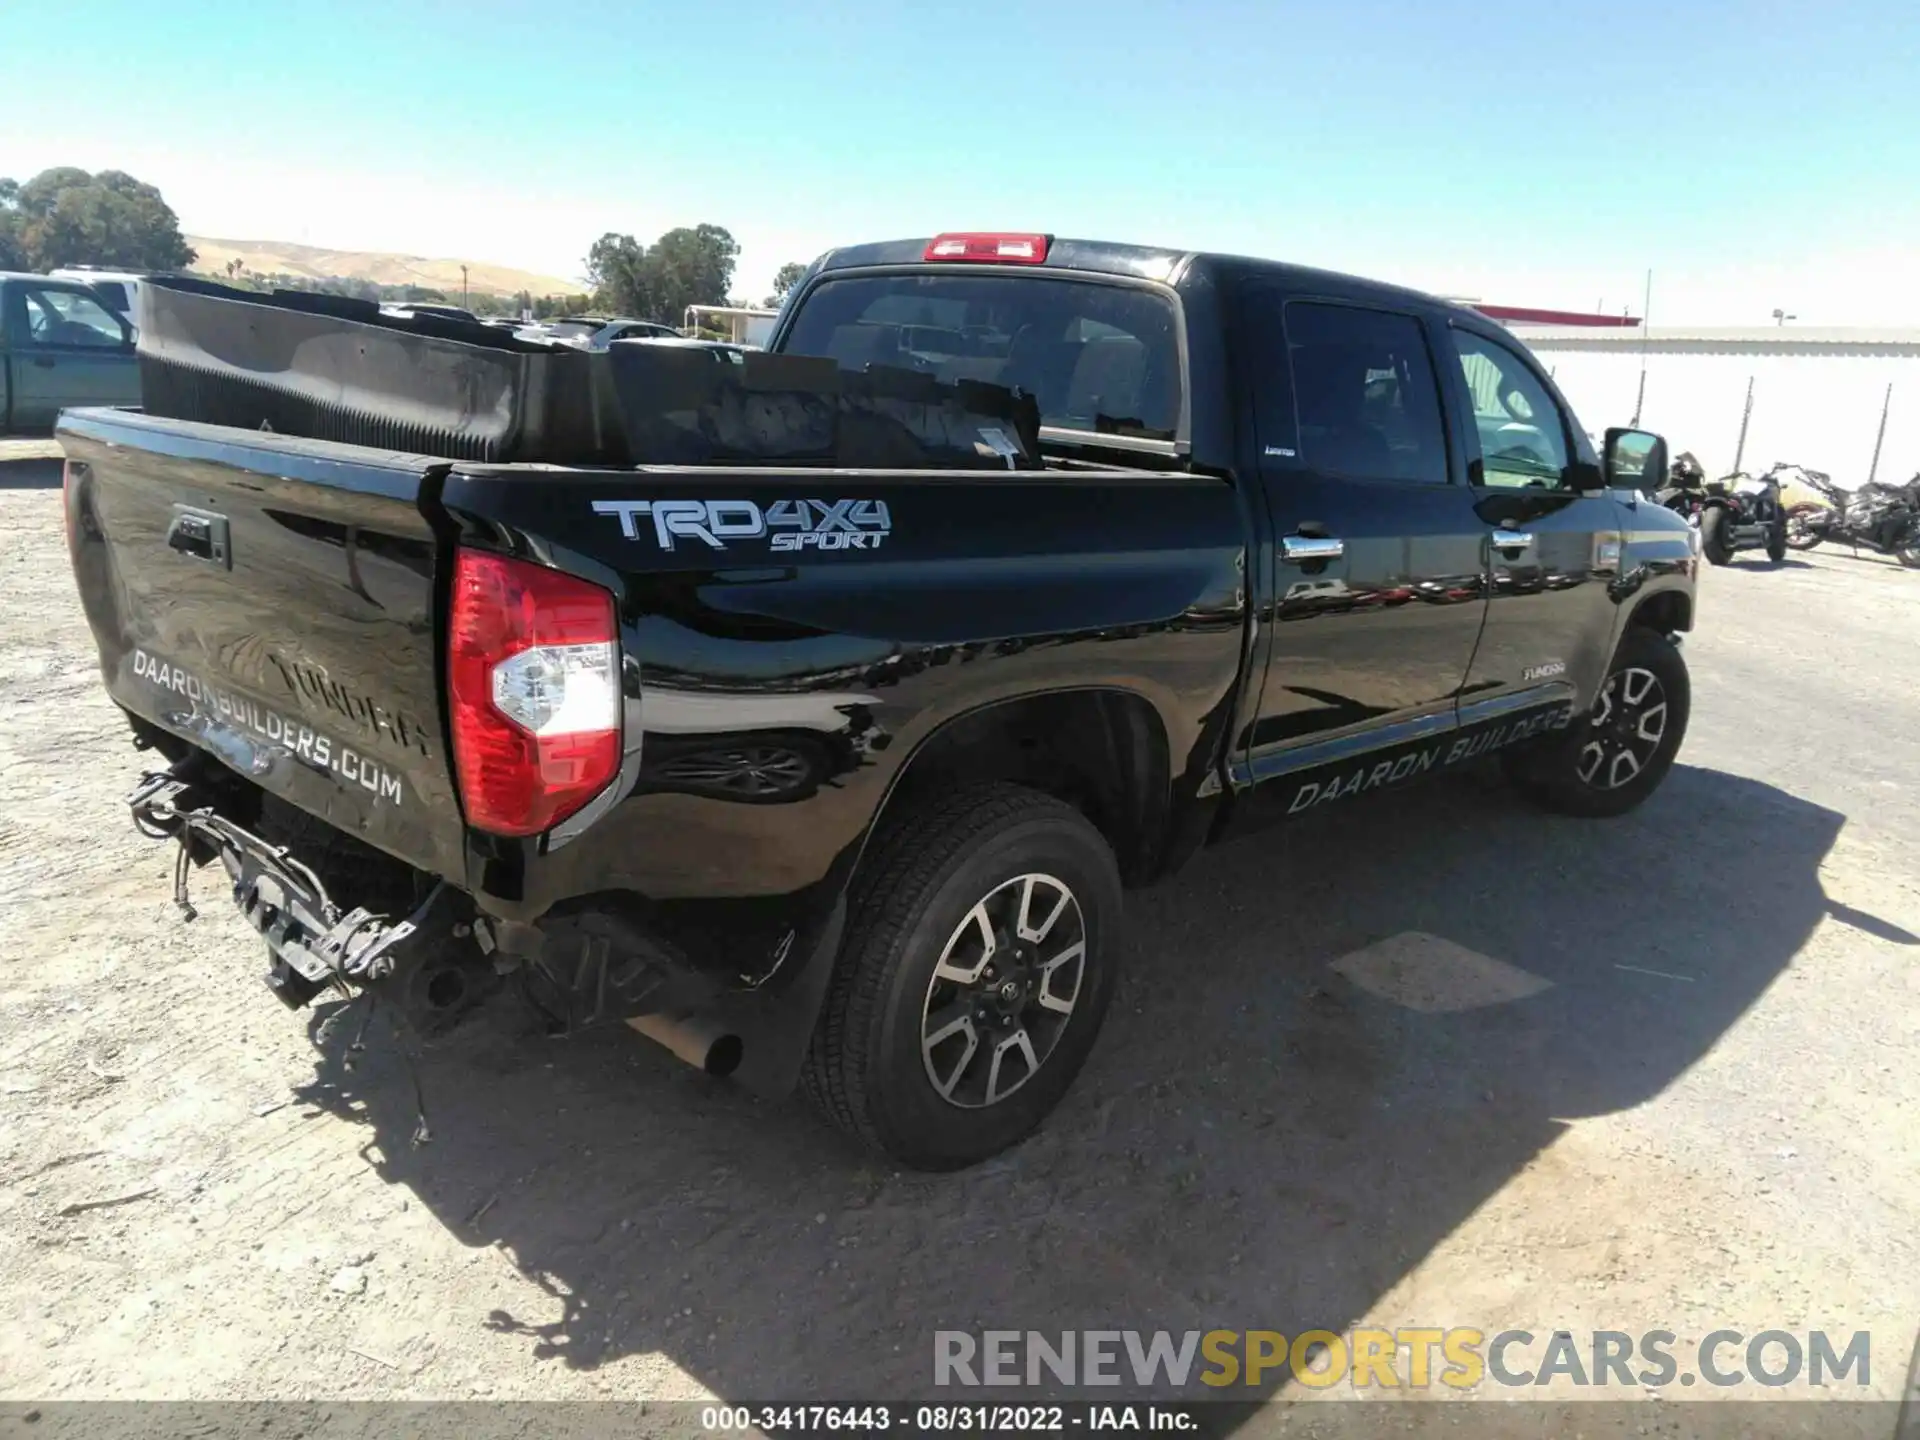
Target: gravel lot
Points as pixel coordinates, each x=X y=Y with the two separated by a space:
x=1700 y=1115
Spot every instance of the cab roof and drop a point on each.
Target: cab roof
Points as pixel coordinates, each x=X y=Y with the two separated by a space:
x=1163 y=264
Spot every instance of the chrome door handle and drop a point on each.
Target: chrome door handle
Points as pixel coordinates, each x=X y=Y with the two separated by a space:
x=1311 y=547
x=1511 y=539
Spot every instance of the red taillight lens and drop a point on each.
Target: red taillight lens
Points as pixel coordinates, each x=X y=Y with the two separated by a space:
x=533 y=672
x=997 y=248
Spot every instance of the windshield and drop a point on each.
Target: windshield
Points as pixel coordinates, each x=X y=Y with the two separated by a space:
x=1096 y=357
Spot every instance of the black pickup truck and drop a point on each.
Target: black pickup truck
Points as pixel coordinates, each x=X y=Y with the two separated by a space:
x=837 y=774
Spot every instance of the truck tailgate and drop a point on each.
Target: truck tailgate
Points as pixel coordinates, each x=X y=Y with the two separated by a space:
x=274 y=601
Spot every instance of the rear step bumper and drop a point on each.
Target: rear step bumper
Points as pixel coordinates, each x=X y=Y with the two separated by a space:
x=315 y=942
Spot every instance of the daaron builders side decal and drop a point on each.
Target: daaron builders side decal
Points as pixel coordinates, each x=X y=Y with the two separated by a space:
x=1453 y=750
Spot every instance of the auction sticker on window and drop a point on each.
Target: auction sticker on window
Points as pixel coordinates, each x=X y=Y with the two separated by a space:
x=290 y=737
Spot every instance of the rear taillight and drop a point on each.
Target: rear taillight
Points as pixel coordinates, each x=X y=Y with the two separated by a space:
x=533 y=671
x=997 y=247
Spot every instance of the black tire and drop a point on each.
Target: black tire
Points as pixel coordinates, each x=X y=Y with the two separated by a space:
x=1777 y=540
x=1713 y=536
x=919 y=887
x=1561 y=774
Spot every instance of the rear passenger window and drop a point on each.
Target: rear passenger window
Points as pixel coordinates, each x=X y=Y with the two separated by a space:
x=1365 y=394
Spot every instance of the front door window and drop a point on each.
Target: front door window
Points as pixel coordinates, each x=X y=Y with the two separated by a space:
x=71 y=319
x=1523 y=440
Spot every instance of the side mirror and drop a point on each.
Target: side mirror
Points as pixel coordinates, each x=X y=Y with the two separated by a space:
x=1635 y=460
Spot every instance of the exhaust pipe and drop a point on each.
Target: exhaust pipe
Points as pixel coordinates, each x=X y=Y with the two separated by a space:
x=697 y=1040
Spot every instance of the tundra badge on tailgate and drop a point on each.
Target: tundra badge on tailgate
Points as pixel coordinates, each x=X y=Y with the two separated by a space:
x=792 y=524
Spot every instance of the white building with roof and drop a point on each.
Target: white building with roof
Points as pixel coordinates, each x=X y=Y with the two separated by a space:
x=1817 y=393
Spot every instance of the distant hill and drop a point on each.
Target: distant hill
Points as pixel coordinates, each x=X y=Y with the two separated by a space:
x=282 y=257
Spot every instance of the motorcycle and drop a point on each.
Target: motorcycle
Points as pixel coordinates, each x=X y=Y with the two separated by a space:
x=1736 y=512
x=1882 y=518
x=1684 y=487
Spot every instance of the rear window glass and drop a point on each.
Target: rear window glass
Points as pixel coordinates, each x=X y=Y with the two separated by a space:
x=114 y=293
x=1095 y=357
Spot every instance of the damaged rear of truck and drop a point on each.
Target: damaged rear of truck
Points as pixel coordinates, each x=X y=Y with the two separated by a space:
x=616 y=737
x=450 y=729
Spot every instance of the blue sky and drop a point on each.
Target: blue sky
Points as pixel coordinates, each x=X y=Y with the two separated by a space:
x=1753 y=155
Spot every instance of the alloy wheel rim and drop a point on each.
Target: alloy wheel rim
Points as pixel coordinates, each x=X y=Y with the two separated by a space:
x=1003 y=991
x=1628 y=723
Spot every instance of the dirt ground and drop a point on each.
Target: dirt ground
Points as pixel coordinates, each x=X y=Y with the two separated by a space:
x=1439 y=1061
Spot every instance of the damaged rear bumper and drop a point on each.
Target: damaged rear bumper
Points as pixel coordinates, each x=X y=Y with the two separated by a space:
x=438 y=961
x=315 y=941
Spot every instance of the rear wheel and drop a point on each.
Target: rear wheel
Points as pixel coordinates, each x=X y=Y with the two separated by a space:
x=1610 y=760
x=1714 y=543
x=974 y=978
x=1909 y=554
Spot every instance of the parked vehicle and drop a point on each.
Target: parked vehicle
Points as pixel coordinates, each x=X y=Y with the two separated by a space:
x=1684 y=487
x=594 y=332
x=424 y=307
x=60 y=345
x=1797 y=488
x=838 y=773
x=119 y=288
x=1882 y=518
x=1734 y=513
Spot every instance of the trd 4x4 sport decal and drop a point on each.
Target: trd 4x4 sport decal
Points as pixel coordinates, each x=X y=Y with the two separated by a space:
x=789 y=524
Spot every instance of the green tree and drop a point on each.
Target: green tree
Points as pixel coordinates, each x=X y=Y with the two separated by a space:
x=13 y=254
x=65 y=216
x=690 y=267
x=616 y=268
x=555 y=307
x=685 y=266
x=784 y=279
x=484 y=304
x=13 y=250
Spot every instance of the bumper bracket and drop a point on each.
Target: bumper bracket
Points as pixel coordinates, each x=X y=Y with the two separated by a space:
x=313 y=940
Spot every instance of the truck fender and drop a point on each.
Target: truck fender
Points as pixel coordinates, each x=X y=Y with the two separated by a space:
x=1102 y=748
x=1115 y=733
